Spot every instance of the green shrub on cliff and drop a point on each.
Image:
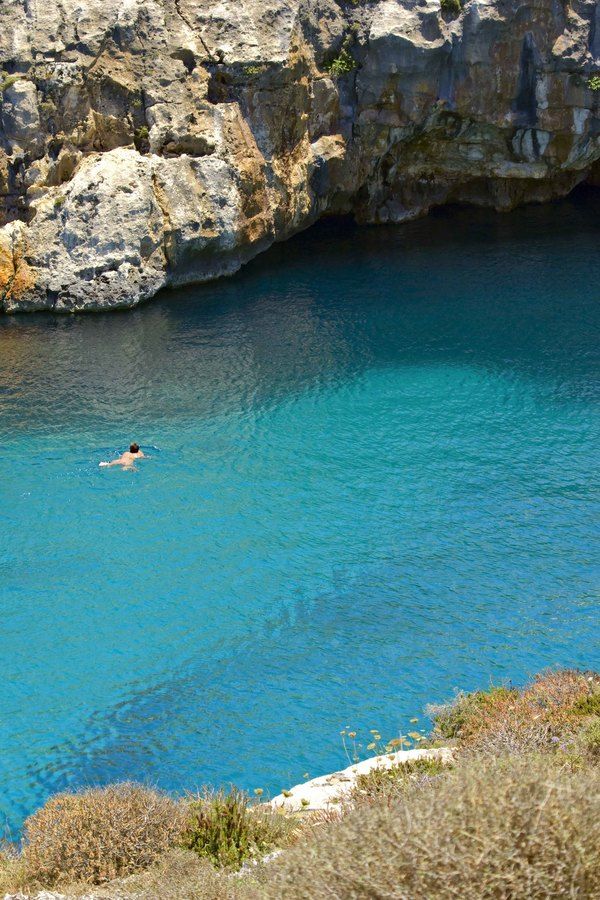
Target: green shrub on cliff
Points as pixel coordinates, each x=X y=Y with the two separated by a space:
x=7 y=81
x=225 y=828
x=545 y=716
x=453 y=7
x=594 y=83
x=342 y=64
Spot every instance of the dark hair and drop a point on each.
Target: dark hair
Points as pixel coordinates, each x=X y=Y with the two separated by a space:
x=134 y=448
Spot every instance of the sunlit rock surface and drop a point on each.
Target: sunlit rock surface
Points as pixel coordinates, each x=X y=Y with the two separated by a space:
x=146 y=143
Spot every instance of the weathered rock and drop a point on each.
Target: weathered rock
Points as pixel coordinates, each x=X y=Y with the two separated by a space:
x=145 y=143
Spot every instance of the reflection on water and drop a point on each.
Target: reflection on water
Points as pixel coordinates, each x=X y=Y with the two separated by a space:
x=373 y=479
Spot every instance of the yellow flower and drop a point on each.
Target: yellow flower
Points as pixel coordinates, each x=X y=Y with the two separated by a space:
x=258 y=791
x=414 y=720
x=351 y=734
x=371 y=746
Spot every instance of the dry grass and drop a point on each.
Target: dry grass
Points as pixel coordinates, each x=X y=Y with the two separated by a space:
x=521 y=829
x=100 y=834
x=541 y=717
x=13 y=874
x=178 y=875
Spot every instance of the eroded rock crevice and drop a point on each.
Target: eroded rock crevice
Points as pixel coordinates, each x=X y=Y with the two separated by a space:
x=150 y=143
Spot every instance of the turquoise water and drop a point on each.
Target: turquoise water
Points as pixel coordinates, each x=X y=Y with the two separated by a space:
x=374 y=479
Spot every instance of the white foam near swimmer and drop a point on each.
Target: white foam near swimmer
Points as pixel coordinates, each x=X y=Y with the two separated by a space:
x=328 y=790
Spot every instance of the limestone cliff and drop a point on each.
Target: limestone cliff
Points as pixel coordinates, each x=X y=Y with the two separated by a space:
x=146 y=143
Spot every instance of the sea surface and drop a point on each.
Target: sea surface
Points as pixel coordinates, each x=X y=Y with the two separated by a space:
x=373 y=480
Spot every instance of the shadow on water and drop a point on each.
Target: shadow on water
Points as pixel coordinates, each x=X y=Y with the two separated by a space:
x=460 y=285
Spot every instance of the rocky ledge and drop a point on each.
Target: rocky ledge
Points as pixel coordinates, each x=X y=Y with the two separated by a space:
x=148 y=143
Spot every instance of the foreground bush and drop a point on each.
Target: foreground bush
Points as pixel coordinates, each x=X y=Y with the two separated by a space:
x=178 y=875
x=100 y=834
x=509 y=828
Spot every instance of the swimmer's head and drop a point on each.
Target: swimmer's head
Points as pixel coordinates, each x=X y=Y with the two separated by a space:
x=134 y=448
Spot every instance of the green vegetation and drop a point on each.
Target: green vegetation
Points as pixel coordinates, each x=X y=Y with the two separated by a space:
x=47 y=108
x=589 y=705
x=383 y=785
x=252 y=70
x=594 y=83
x=452 y=7
x=342 y=64
x=59 y=201
x=466 y=711
x=141 y=139
x=544 y=717
x=590 y=739
x=517 y=814
x=228 y=830
x=7 y=81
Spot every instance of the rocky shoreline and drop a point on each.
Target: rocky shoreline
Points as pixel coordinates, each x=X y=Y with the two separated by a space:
x=327 y=791
x=151 y=144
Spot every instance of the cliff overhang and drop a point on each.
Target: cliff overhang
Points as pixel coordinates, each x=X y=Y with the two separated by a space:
x=149 y=143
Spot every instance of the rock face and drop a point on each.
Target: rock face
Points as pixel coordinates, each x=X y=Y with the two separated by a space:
x=146 y=143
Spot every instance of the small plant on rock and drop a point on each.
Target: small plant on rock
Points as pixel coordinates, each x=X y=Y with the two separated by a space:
x=594 y=83
x=252 y=70
x=452 y=7
x=342 y=64
x=141 y=139
x=7 y=81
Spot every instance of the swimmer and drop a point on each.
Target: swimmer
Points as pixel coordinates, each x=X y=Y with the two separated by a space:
x=127 y=459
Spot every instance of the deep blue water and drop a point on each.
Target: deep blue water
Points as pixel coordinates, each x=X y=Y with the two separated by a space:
x=375 y=481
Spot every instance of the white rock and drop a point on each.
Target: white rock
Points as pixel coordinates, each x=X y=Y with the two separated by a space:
x=324 y=792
